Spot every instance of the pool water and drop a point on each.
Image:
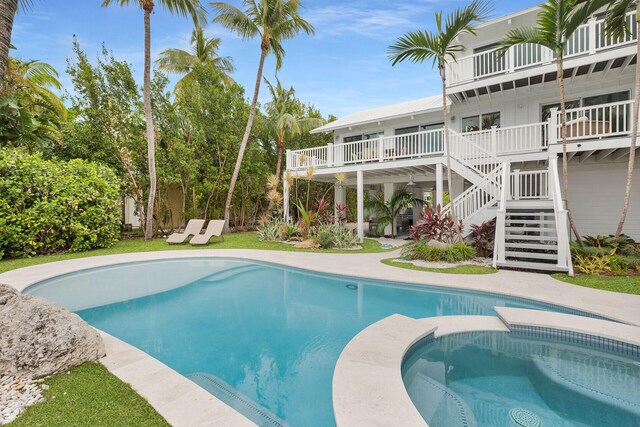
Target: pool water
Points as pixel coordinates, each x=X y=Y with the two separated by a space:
x=488 y=378
x=273 y=334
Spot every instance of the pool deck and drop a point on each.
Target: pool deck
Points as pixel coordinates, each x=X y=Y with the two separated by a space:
x=183 y=403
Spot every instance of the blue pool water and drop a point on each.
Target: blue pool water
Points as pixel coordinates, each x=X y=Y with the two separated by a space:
x=486 y=377
x=273 y=334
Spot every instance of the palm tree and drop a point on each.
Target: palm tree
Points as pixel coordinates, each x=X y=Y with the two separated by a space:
x=203 y=50
x=616 y=26
x=441 y=47
x=286 y=121
x=8 y=9
x=556 y=23
x=272 y=21
x=387 y=212
x=191 y=8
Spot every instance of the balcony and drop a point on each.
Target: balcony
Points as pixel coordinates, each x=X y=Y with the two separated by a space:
x=598 y=123
x=589 y=39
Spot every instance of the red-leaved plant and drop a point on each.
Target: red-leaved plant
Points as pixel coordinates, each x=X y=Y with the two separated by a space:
x=341 y=213
x=483 y=237
x=433 y=225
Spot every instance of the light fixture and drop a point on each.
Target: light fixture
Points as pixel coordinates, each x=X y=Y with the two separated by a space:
x=411 y=183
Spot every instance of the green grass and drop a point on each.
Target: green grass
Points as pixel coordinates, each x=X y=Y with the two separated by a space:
x=622 y=284
x=231 y=241
x=94 y=397
x=458 y=269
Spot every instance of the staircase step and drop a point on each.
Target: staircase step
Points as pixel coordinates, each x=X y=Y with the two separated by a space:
x=510 y=236
x=510 y=221
x=539 y=246
x=524 y=265
x=531 y=229
x=531 y=255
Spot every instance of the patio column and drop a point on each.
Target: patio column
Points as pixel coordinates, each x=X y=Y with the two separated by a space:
x=360 y=191
x=439 y=185
x=285 y=197
x=339 y=196
x=389 y=188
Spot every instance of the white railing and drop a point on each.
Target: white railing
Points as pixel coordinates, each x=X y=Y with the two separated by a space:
x=596 y=121
x=477 y=197
x=561 y=217
x=416 y=144
x=529 y=184
x=499 y=249
x=471 y=154
x=356 y=152
x=309 y=157
x=511 y=139
x=588 y=39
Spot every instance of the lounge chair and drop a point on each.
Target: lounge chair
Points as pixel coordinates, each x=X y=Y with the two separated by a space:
x=214 y=228
x=193 y=227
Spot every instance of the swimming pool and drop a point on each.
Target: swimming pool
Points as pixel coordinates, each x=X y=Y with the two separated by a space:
x=501 y=379
x=268 y=333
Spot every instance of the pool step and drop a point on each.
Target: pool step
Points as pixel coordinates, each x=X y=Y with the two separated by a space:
x=230 y=272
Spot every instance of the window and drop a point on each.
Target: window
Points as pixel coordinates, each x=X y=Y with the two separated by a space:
x=481 y=122
x=365 y=136
x=404 y=131
x=373 y=135
x=352 y=138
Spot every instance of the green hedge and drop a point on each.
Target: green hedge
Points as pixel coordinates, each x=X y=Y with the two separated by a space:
x=48 y=206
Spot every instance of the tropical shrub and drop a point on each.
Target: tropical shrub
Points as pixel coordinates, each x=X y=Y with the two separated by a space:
x=483 y=236
x=50 y=206
x=271 y=230
x=335 y=236
x=434 y=225
x=421 y=250
x=599 y=264
x=387 y=212
x=290 y=232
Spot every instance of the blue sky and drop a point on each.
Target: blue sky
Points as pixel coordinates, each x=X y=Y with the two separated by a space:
x=343 y=68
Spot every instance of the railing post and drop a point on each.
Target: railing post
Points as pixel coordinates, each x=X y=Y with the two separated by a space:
x=380 y=149
x=511 y=59
x=289 y=160
x=592 y=35
x=516 y=184
x=553 y=127
x=330 y=154
x=494 y=140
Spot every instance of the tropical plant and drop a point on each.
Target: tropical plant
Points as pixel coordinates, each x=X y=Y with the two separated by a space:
x=191 y=8
x=387 y=212
x=599 y=264
x=273 y=22
x=284 y=111
x=271 y=231
x=203 y=50
x=453 y=253
x=556 y=23
x=434 y=225
x=441 y=47
x=307 y=220
x=335 y=236
x=483 y=236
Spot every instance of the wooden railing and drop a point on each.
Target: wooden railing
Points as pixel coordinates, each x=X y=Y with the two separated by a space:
x=590 y=38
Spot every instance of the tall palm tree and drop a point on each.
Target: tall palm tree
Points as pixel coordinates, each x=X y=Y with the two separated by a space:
x=556 y=23
x=203 y=50
x=8 y=9
x=285 y=115
x=387 y=212
x=191 y=8
x=441 y=47
x=272 y=21
x=616 y=26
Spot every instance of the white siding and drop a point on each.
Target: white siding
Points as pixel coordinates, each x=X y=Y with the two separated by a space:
x=596 y=192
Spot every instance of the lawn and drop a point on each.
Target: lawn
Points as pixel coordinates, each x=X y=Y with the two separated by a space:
x=622 y=284
x=247 y=240
x=459 y=269
x=89 y=396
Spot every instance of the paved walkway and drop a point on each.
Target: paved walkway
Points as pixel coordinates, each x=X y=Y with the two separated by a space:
x=540 y=287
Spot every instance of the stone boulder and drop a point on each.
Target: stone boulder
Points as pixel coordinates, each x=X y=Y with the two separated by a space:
x=307 y=244
x=39 y=338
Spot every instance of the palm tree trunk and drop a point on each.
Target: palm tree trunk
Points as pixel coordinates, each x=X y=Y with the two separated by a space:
x=245 y=138
x=563 y=133
x=634 y=135
x=151 y=145
x=279 y=161
x=8 y=10
x=446 y=144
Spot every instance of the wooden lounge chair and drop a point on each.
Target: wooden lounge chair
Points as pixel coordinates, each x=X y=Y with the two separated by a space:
x=193 y=227
x=214 y=228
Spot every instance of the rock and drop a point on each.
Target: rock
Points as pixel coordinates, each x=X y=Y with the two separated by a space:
x=39 y=338
x=307 y=244
x=437 y=244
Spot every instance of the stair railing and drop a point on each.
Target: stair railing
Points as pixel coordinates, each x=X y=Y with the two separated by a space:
x=499 y=247
x=561 y=217
x=472 y=155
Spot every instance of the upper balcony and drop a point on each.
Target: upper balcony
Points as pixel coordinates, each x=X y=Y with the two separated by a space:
x=589 y=41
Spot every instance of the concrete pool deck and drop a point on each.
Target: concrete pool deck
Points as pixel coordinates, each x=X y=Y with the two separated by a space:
x=182 y=402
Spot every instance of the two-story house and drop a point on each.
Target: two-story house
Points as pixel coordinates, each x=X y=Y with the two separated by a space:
x=505 y=142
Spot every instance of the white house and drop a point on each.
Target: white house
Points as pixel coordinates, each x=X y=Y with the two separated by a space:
x=506 y=151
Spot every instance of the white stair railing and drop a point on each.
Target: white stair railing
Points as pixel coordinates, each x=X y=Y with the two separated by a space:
x=561 y=217
x=471 y=154
x=499 y=249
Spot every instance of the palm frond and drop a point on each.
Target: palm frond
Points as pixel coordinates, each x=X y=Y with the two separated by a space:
x=615 y=17
x=525 y=35
x=416 y=46
x=176 y=61
x=235 y=20
x=42 y=74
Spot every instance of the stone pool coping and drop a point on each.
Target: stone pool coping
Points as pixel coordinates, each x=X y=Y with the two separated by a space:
x=184 y=409
x=367 y=382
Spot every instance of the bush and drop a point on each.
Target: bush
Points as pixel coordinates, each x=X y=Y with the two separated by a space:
x=421 y=250
x=335 y=236
x=50 y=206
x=433 y=225
x=483 y=236
x=599 y=264
x=270 y=231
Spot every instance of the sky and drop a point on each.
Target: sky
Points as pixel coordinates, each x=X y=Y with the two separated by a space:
x=342 y=69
